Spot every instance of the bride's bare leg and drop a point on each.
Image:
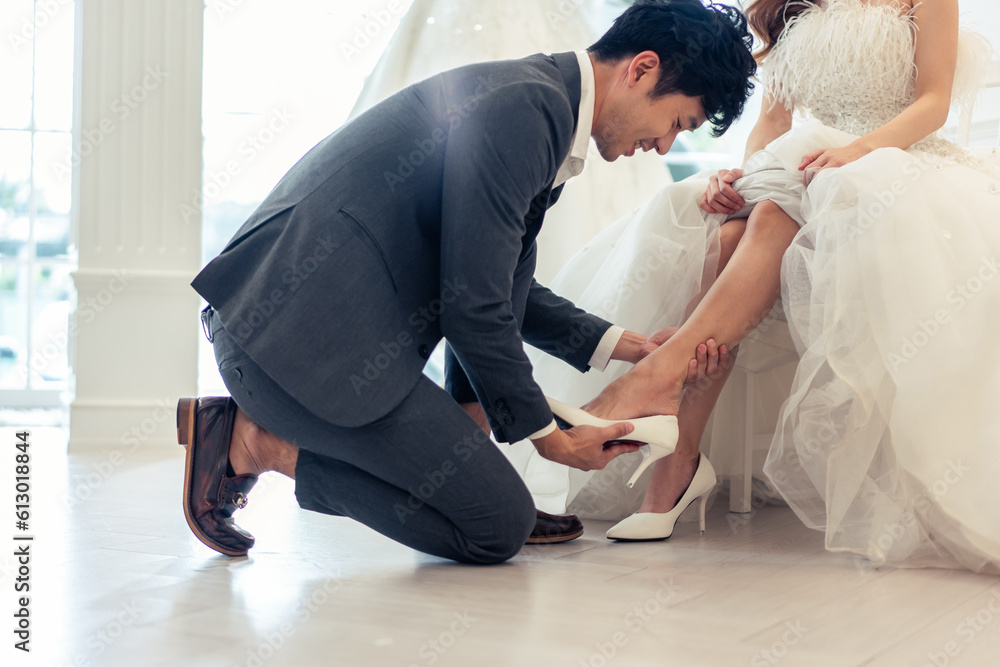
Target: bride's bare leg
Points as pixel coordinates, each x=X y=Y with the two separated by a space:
x=740 y=299
x=672 y=475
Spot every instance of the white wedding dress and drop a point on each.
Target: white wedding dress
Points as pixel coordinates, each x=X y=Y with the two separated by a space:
x=889 y=436
x=436 y=35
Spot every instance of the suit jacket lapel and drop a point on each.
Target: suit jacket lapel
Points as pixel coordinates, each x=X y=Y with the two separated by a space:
x=569 y=68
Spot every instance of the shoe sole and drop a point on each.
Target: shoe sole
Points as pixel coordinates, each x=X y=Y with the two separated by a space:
x=639 y=539
x=554 y=539
x=186 y=409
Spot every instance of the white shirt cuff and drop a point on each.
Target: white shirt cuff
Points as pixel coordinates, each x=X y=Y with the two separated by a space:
x=609 y=341
x=544 y=432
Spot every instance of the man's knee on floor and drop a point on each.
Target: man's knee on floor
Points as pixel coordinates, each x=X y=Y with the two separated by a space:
x=506 y=534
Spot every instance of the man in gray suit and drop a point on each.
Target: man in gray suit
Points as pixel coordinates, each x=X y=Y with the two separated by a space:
x=415 y=222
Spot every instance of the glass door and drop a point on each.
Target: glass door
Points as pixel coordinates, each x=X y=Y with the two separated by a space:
x=36 y=167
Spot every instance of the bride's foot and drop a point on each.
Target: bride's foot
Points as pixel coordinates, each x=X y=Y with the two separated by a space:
x=649 y=390
x=638 y=393
x=671 y=478
x=254 y=450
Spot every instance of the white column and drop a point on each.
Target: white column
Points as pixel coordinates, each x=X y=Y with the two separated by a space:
x=137 y=162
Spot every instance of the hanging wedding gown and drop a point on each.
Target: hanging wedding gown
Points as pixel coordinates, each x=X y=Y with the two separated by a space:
x=889 y=437
x=436 y=35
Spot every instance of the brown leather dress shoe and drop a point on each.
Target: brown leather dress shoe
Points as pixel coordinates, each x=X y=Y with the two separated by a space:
x=212 y=491
x=552 y=528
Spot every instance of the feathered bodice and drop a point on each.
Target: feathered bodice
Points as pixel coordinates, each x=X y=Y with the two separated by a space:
x=851 y=66
x=848 y=63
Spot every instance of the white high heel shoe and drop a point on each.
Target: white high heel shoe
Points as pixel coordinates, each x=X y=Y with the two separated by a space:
x=659 y=432
x=647 y=526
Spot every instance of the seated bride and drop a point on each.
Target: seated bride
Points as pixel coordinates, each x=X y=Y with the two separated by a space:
x=867 y=224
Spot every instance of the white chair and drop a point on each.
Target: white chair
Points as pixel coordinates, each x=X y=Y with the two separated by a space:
x=768 y=347
x=771 y=346
x=965 y=120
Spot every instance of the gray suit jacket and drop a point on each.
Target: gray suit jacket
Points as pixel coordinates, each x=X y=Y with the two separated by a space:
x=406 y=225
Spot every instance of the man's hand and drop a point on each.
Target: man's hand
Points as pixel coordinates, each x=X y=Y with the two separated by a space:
x=582 y=447
x=655 y=340
x=709 y=363
x=634 y=347
x=475 y=410
x=709 y=360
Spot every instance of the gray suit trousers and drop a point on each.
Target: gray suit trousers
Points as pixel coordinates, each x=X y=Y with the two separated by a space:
x=424 y=475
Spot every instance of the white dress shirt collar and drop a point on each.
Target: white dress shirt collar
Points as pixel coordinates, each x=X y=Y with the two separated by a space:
x=574 y=162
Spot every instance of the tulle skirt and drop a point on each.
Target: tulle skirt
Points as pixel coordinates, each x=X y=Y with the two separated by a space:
x=890 y=439
x=888 y=433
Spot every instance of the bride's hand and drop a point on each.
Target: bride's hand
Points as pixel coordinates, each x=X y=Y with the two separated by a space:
x=720 y=197
x=827 y=158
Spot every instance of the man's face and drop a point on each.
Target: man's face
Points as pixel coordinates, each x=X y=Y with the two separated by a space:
x=631 y=120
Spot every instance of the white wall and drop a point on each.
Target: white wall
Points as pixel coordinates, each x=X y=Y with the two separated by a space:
x=984 y=17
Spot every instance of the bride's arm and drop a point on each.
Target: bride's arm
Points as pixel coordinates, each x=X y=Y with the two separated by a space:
x=774 y=121
x=935 y=57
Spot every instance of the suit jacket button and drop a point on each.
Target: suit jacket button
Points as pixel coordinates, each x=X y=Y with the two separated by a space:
x=424 y=351
x=508 y=420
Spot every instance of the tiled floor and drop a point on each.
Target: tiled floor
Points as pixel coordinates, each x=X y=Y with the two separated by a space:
x=119 y=580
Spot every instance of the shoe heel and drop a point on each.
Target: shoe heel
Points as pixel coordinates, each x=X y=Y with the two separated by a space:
x=701 y=511
x=650 y=456
x=647 y=460
x=185 y=420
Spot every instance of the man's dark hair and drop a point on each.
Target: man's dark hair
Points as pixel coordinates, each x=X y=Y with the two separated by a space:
x=704 y=50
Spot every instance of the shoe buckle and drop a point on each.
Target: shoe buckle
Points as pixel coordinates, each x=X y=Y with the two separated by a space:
x=240 y=501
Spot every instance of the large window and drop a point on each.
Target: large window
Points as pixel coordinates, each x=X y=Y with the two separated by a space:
x=36 y=163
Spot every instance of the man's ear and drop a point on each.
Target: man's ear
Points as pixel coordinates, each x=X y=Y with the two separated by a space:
x=643 y=65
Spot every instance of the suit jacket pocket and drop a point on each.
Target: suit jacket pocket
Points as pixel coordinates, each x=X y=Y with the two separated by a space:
x=369 y=240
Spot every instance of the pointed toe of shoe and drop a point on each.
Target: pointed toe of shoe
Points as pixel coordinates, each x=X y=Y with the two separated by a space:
x=642 y=527
x=645 y=526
